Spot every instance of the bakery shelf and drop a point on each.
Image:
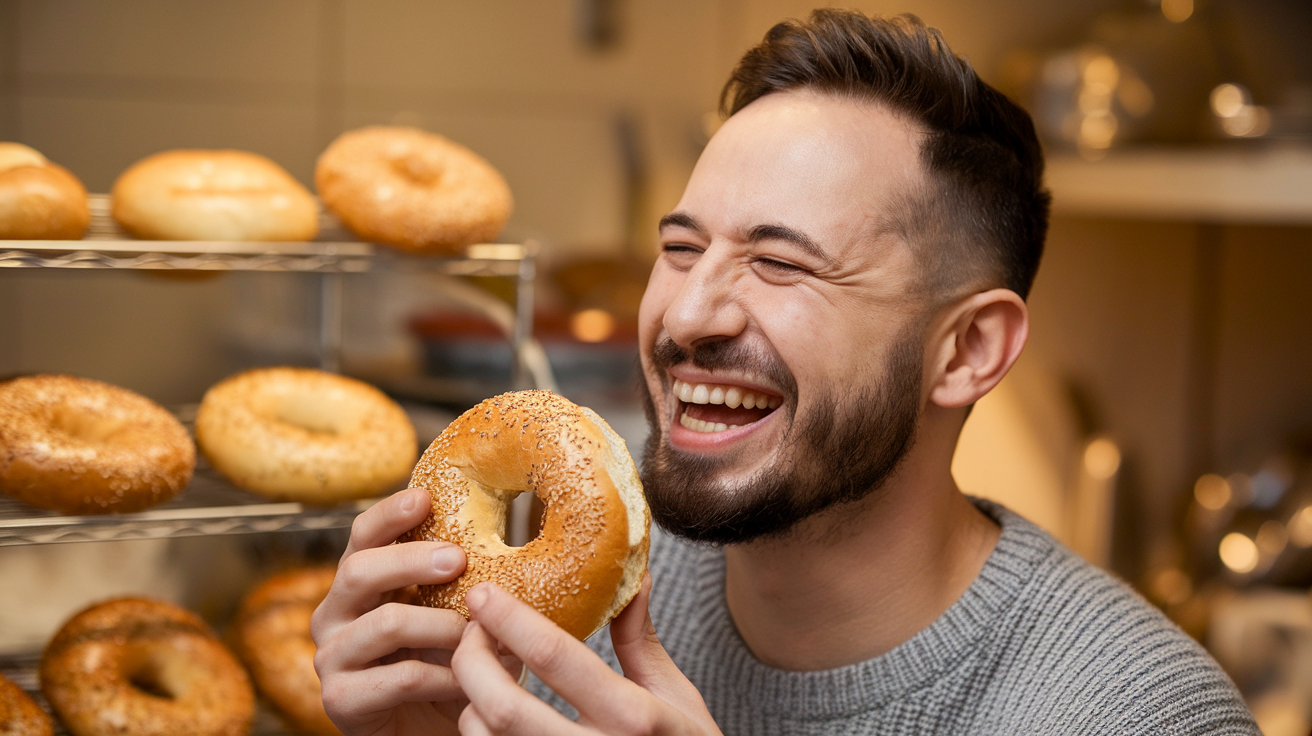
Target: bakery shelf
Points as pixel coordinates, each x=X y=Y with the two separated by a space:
x=22 y=669
x=335 y=250
x=208 y=506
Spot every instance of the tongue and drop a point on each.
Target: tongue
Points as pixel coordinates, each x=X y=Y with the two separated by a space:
x=719 y=413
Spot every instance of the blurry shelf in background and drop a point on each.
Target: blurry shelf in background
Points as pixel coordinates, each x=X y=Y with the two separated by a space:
x=208 y=506
x=335 y=250
x=1269 y=186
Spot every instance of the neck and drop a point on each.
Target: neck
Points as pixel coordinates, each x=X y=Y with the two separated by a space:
x=856 y=581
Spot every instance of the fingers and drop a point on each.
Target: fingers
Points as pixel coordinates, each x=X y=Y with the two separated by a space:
x=497 y=704
x=380 y=524
x=350 y=696
x=564 y=663
x=645 y=661
x=366 y=579
x=387 y=629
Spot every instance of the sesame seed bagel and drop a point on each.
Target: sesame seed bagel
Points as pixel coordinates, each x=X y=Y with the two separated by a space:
x=19 y=714
x=39 y=200
x=213 y=195
x=272 y=636
x=147 y=668
x=412 y=189
x=305 y=435
x=587 y=562
x=84 y=447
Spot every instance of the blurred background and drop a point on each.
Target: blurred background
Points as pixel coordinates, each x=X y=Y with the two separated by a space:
x=1160 y=420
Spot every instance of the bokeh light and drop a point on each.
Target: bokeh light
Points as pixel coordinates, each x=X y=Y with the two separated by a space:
x=1102 y=458
x=592 y=325
x=1239 y=553
x=1212 y=492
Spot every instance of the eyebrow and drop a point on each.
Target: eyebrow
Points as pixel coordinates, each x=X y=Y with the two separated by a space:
x=683 y=220
x=756 y=234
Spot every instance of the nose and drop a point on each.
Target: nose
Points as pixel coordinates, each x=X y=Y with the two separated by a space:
x=706 y=307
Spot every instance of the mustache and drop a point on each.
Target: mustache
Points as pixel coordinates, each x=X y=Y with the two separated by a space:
x=727 y=355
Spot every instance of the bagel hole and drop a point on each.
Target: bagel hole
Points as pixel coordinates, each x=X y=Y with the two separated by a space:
x=84 y=425
x=318 y=415
x=148 y=677
x=417 y=169
x=523 y=522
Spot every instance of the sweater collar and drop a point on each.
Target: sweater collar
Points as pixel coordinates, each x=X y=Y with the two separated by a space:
x=873 y=683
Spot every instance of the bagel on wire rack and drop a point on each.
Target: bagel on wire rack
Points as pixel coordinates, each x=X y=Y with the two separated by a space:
x=39 y=200
x=147 y=668
x=272 y=636
x=213 y=195
x=412 y=190
x=305 y=435
x=84 y=447
x=588 y=560
x=19 y=714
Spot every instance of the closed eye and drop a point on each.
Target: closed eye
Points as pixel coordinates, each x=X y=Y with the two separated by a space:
x=680 y=256
x=781 y=267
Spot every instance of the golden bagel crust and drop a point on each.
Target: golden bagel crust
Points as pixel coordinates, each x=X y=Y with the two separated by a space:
x=84 y=447
x=213 y=195
x=99 y=670
x=586 y=563
x=39 y=200
x=412 y=189
x=305 y=435
x=20 y=715
x=272 y=636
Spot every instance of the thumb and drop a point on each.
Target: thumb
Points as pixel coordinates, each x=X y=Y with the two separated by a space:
x=642 y=657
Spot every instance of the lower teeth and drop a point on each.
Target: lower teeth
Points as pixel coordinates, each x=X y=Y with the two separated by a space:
x=698 y=425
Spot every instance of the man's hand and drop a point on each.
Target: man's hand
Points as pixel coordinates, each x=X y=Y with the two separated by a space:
x=654 y=699
x=385 y=665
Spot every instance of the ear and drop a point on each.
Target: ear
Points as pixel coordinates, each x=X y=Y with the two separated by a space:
x=976 y=342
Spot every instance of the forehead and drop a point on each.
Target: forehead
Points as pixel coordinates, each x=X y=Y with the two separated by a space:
x=815 y=161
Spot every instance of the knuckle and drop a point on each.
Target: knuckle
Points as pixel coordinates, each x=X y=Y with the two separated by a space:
x=500 y=715
x=547 y=654
x=323 y=659
x=354 y=571
x=388 y=621
x=359 y=529
x=409 y=676
x=334 y=697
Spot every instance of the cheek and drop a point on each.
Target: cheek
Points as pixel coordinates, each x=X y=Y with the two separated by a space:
x=824 y=348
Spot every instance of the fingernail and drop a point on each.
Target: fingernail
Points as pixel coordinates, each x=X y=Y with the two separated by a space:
x=476 y=597
x=409 y=503
x=446 y=560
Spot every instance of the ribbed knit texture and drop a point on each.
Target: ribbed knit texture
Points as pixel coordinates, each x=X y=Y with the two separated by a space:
x=1041 y=643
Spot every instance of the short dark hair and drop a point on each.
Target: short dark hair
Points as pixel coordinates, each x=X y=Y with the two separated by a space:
x=986 y=215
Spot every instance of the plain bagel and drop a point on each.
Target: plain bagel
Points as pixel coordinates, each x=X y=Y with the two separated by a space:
x=213 y=195
x=412 y=189
x=305 y=435
x=588 y=560
x=39 y=200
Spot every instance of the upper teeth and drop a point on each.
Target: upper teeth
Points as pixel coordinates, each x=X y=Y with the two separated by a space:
x=731 y=396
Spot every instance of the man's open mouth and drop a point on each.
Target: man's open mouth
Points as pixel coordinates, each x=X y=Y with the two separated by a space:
x=713 y=407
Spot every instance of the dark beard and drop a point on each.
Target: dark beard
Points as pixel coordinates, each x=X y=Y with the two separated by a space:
x=835 y=456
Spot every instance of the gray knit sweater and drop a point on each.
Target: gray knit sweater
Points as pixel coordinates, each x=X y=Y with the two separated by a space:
x=1041 y=643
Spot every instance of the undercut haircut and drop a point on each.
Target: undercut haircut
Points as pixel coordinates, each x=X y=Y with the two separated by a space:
x=983 y=218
